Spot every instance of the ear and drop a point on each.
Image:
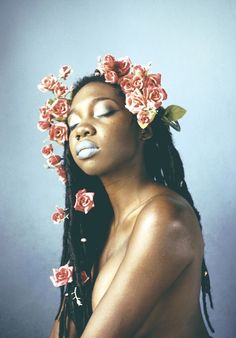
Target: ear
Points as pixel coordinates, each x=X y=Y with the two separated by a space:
x=146 y=133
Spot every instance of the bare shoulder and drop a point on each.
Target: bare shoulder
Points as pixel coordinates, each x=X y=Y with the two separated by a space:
x=161 y=248
x=169 y=220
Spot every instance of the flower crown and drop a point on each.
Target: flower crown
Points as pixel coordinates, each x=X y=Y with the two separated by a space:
x=143 y=91
x=144 y=96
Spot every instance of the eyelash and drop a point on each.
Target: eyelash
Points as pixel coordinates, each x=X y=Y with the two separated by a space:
x=111 y=112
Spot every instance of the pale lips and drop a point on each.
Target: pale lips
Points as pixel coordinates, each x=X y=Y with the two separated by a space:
x=86 y=149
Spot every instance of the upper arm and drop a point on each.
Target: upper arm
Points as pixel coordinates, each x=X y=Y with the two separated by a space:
x=160 y=248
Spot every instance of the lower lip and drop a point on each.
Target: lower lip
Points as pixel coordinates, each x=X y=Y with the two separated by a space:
x=87 y=153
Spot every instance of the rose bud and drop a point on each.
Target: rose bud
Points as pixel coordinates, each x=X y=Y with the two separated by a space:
x=47 y=150
x=58 y=216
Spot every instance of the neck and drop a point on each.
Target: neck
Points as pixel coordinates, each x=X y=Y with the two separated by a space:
x=124 y=188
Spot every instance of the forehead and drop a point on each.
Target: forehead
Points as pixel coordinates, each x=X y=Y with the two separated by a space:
x=95 y=90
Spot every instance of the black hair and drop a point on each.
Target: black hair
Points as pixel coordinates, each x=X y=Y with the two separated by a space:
x=164 y=165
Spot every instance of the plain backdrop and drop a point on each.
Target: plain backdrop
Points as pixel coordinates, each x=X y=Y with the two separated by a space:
x=192 y=43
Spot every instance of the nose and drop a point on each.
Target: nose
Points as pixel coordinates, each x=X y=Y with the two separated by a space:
x=84 y=130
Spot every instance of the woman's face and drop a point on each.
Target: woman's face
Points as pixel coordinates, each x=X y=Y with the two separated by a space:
x=104 y=135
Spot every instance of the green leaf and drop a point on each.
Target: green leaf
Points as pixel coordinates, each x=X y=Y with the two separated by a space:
x=165 y=120
x=50 y=101
x=174 y=113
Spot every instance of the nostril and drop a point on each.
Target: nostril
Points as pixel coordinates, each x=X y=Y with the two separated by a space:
x=86 y=133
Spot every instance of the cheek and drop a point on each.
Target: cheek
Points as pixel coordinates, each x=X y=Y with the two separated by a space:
x=72 y=144
x=121 y=142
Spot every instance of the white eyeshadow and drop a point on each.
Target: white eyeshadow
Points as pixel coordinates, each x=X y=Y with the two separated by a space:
x=73 y=119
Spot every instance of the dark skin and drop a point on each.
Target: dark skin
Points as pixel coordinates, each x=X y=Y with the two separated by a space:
x=149 y=272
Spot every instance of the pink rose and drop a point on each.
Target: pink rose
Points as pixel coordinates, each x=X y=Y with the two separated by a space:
x=111 y=76
x=60 y=89
x=135 y=101
x=47 y=83
x=122 y=66
x=54 y=160
x=108 y=62
x=129 y=82
x=144 y=118
x=62 y=276
x=154 y=96
x=62 y=173
x=126 y=83
x=138 y=81
x=43 y=125
x=45 y=113
x=58 y=216
x=58 y=132
x=84 y=201
x=47 y=150
x=153 y=80
x=139 y=70
x=60 y=109
x=65 y=71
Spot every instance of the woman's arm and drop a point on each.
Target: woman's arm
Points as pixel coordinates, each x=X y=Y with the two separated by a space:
x=160 y=248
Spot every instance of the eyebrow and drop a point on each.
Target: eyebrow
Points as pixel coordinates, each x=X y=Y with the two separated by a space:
x=97 y=99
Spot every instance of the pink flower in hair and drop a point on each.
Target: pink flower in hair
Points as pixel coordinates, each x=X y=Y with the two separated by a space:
x=138 y=82
x=122 y=66
x=45 y=113
x=84 y=201
x=111 y=76
x=62 y=276
x=139 y=70
x=47 y=150
x=58 y=132
x=153 y=80
x=135 y=101
x=144 y=118
x=64 y=72
x=54 y=160
x=47 y=83
x=126 y=83
x=62 y=173
x=43 y=125
x=60 y=89
x=107 y=63
x=60 y=109
x=119 y=67
x=154 y=96
x=58 y=216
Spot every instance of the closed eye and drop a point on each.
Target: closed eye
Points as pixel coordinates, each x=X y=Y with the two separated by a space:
x=73 y=121
x=73 y=126
x=109 y=113
x=106 y=114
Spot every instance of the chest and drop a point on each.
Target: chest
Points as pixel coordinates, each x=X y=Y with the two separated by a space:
x=112 y=255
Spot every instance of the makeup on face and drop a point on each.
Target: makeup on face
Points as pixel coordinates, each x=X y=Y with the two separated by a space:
x=100 y=106
x=86 y=149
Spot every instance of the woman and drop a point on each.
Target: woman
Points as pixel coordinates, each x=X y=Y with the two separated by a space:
x=135 y=256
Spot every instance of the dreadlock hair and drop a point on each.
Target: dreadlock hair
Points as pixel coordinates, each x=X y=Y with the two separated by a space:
x=164 y=165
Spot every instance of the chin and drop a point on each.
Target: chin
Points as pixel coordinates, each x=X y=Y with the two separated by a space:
x=91 y=167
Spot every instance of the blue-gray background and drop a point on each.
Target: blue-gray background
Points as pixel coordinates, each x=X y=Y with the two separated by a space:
x=192 y=43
